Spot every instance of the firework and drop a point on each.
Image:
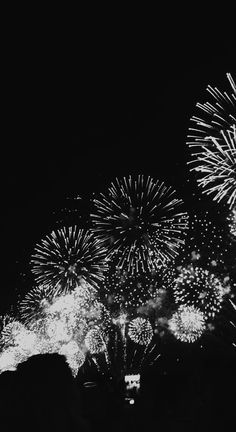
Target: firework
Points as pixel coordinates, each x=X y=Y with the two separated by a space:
x=140 y=331
x=66 y=256
x=10 y=358
x=35 y=303
x=206 y=243
x=216 y=116
x=187 y=324
x=232 y=223
x=128 y=291
x=94 y=341
x=140 y=221
x=200 y=288
x=213 y=140
x=74 y=356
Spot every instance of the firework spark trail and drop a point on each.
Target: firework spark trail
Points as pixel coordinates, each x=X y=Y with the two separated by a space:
x=65 y=256
x=139 y=221
x=213 y=141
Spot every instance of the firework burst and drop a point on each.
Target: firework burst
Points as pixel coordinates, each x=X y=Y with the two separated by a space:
x=187 y=324
x=35 y=303
x=199 y=288
x=66 y=256
x=140 y=331
x=95 y=341
x=206 y=243
x=213 y=140
x=140 y=222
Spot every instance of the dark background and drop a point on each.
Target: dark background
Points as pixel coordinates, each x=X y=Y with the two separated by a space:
x=79 y=115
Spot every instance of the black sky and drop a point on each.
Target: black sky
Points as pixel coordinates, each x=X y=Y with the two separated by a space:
x=107 y=107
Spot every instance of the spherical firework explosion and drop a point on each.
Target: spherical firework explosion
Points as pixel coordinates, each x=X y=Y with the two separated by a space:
x=95 y=341
x=187 y=324
x=140 y=331
x=140 y=222
x=35 y=303
x=213 y=140
x=199 y=288
x=66 y=256
x=232 y=223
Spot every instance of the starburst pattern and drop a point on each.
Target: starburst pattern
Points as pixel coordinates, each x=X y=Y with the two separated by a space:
x=140 y=221
x=35 y=303
x=213 y=140
x=187 y=324
x=140 y=331
x=199 y=288
x=66 y=256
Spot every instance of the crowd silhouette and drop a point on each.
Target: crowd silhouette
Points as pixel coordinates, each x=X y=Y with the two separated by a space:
x=42 y=395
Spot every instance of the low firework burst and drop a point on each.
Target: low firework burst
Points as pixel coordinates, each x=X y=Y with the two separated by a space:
x=66 y=256
x=141 y=223
x=35 y=303
x=199 y=288
x=213 y=140
x=187 y=324
x=140 y=331
x=75 y=357
x=95 y=340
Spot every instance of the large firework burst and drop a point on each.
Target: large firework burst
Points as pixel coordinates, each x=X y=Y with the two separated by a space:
x=140 y=221
x=199 y=288
x=213 y=140
x=187 y=324
x=67 y=255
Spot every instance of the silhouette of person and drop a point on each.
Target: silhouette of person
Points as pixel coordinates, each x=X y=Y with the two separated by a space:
x=46 y=396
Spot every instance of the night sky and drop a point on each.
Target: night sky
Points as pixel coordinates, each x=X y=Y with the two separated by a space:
x=82 y=116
